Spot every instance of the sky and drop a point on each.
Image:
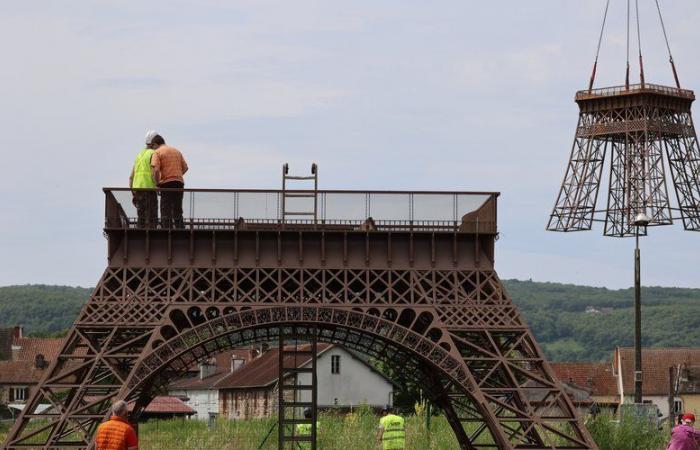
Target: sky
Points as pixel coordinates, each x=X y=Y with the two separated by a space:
x=448 y=95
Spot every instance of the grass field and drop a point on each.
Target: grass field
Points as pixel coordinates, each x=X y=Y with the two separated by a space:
x=356 y=432
x=352 y=432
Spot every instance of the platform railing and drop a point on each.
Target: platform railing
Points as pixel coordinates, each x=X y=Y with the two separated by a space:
x=337 y=209
x=588 y=94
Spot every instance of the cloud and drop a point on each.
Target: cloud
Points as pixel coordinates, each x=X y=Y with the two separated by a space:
x=393 y=95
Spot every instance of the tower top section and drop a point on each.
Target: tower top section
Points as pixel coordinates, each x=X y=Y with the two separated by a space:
x=635 y=90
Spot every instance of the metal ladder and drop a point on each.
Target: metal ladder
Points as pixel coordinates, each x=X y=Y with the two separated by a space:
x=295 y=395
x=309 y=194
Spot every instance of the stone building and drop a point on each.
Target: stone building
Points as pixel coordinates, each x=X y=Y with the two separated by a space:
x=344 y=381
x=247 y=387
x=199 y=390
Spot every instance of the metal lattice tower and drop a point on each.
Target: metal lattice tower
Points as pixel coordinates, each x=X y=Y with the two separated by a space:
x=638 y=128
x=405 y=277
x=646 y=131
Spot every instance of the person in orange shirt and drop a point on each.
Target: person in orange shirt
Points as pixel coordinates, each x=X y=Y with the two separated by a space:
x=169 y=167
x=117 y=433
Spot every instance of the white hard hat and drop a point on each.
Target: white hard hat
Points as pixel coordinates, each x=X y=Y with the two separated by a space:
x=150 y=135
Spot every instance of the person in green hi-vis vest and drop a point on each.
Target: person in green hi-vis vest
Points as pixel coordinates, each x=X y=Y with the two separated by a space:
x=304 y=429
x=391 y=434
x=145 y=201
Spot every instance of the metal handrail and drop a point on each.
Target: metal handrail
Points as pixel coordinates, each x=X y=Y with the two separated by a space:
x=293 y=191
x=346 y=209
x=634 y=89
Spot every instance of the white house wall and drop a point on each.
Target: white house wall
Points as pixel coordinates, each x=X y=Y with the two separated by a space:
x=203 y=401
x=355 y=384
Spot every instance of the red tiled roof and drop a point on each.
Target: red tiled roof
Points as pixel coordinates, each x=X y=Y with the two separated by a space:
x=31 y=347
x=223 y=368
x=19 y=372
x=199 y=383
x=262 y=371
x=597 y=378
x=655 y=365
x=223 y=360
x=166 y=405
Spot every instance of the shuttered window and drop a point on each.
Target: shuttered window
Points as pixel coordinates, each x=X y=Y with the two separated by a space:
x=19 y=394
x=335 y=364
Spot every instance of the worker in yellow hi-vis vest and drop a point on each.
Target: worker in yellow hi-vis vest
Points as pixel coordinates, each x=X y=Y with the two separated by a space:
x=141 y=181
x=391 y=434
x=304 y=429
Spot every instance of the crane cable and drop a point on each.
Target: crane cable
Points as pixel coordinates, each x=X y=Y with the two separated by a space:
x=639 y=43
x=668 y=46
x=627 y=72
x=600 y=41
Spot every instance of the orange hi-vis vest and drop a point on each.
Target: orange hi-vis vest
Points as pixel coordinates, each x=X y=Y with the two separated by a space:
x=115 y=434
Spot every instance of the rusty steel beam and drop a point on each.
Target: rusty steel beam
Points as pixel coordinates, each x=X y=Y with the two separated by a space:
x=419 y=296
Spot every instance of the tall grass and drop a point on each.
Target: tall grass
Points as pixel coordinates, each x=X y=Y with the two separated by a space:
x=626 y=433
x=4 y=429
x=357 y=432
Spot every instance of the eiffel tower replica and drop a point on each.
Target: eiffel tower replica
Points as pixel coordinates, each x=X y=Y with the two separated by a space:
x=406 y=278
x=646 y=131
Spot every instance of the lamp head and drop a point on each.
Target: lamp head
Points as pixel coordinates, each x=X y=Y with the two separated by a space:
x=641 y=220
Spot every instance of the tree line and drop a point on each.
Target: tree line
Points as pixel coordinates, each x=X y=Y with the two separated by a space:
x=571 y=323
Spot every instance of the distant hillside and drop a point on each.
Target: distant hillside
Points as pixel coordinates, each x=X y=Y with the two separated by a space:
x=557 y=313
x=42 y=310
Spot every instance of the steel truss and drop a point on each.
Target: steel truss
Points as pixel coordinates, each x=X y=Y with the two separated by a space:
x=637 y=127
x=426 y=303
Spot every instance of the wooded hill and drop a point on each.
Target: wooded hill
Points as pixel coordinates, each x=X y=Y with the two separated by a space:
x=571 y=323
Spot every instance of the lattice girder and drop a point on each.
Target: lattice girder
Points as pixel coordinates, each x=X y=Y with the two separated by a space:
x=639 y=128
x=427 y=304
x=454 y=335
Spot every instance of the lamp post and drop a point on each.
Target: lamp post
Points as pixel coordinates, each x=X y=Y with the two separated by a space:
x=642 y=220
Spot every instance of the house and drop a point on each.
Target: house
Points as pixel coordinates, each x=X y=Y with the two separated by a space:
x=249 y=388
x=23 y=362
x=199 y=390
x=344 y=381
x=589 y=385
x=656 y=382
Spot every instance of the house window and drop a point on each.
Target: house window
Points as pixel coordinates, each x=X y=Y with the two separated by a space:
x=335 y=364
x=19 y=394
x=677 y=406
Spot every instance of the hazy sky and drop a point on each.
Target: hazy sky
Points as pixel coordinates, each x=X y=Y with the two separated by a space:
x=455 y=95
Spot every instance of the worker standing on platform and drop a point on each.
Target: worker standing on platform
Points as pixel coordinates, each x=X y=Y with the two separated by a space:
x=117 y=433
x=141 y=180
x=304 y=429
x=169 y=167
x=391 y=434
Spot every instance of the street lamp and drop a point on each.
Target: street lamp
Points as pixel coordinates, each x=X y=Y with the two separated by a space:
x=642 y=220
